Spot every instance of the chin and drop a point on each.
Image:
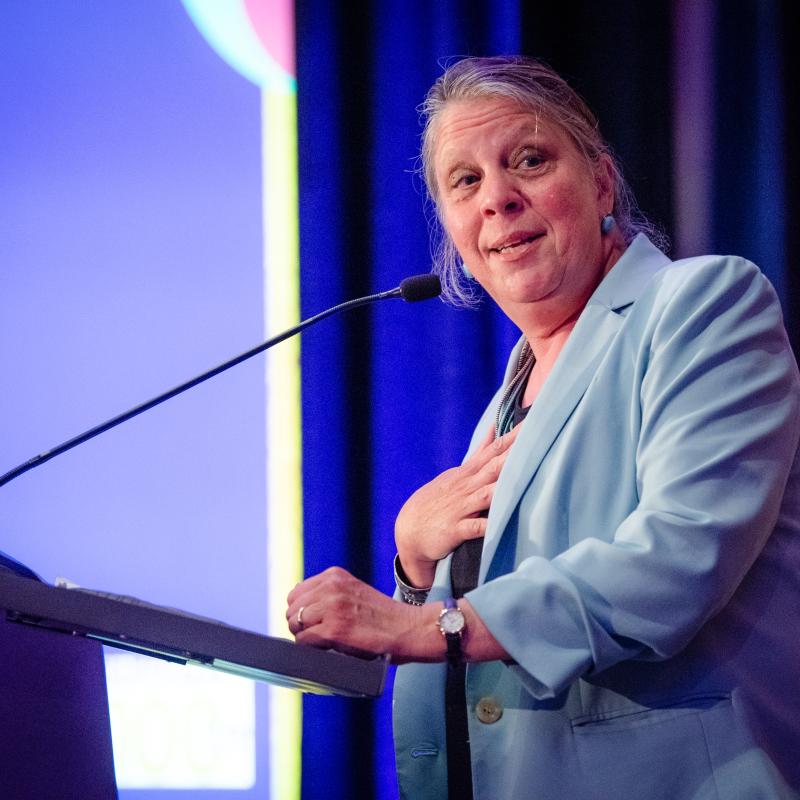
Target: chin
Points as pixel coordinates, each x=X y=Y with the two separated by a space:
x=527 y=292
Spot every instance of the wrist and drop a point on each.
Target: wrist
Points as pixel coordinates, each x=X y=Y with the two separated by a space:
x=415 y=573
x=420 y=639
x=413 y=595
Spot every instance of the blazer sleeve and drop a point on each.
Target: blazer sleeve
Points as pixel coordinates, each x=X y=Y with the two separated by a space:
x=717 y=435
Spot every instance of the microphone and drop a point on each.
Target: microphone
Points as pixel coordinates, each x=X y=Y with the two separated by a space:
x=420 y=287
x=412 y=290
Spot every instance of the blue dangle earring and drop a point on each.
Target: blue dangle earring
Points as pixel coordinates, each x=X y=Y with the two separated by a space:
x=607 y=224
x=467 y=273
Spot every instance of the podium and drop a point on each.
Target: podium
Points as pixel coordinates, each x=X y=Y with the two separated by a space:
x=55 y=736
x=55 y=740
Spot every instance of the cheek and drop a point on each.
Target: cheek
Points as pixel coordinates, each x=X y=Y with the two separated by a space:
x=460 y=230
x=559 y=204
x=572 y=217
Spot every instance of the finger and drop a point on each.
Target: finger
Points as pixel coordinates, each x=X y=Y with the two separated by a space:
x=481 y=498
x=475 y=458
x=501 y=443
x=507 y=439
x=487 y=440
x=315 y=581
x=302 y=618
x=304 y=599
x=473 y=485
x=500 y=449
x=472 y=528
x=491 y=470
x=492 y=449
x=291 y=617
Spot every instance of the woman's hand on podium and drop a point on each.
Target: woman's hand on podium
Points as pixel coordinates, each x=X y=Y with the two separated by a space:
x=336 y=610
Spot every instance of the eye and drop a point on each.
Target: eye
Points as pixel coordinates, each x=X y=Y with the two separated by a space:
x=463 y=180
x=530 y=161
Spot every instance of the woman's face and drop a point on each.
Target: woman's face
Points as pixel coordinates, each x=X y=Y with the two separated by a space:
x=522 y=206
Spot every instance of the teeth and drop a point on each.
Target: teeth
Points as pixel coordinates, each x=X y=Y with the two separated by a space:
x=514 y=244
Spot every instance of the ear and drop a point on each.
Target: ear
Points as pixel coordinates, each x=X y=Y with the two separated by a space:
x=604 y=174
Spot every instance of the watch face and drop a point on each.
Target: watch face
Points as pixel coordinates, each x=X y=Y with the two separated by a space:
x=451 y=621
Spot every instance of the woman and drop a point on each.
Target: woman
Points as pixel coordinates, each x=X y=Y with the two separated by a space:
x=627 y=609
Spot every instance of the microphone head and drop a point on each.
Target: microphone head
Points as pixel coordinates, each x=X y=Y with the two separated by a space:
x=420 y=287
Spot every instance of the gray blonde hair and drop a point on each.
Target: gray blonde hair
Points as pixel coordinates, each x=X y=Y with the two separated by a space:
x=534 y=85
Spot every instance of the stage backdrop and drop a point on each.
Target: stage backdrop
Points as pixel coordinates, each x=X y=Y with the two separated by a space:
x=140 y=229
x=131 y=243
x=699 y=100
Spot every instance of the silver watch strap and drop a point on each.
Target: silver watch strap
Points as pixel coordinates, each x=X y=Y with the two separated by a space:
x=410 y=594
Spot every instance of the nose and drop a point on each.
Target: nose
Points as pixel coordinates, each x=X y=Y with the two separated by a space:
x=500 y=195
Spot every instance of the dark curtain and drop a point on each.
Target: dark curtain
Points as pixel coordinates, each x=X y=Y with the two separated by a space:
x=390 y=393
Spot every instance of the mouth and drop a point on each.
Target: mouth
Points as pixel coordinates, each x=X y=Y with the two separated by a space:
x=515 y=242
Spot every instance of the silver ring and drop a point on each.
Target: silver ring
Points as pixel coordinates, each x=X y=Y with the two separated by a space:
x=300 y=618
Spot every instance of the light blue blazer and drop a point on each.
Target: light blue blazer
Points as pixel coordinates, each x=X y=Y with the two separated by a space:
x=642 y=559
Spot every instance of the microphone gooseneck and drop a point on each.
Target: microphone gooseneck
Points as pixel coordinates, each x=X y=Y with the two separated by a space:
x=412 y=290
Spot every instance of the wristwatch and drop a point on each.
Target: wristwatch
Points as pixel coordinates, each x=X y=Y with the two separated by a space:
x=452 y=623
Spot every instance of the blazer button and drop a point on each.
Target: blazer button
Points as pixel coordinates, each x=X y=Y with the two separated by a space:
x=488 y=710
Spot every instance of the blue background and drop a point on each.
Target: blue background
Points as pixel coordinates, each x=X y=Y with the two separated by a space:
x=130 y=259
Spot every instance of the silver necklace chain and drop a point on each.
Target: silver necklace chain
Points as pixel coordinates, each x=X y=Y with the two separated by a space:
x=505 y=412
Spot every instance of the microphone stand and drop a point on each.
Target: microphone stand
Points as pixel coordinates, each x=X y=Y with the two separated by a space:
x=419 y=287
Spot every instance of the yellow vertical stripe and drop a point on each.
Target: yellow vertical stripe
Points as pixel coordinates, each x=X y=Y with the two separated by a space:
x=284 y=475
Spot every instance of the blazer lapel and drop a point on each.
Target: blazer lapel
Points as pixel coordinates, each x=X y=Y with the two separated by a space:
x=576 y=365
